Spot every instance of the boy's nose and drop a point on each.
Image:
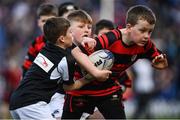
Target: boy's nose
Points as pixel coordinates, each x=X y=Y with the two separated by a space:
x=146 y=35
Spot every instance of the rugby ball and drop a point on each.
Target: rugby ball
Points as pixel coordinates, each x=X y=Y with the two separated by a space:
x=102 y=59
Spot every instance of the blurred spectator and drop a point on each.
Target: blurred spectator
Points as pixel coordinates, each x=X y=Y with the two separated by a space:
x=144 y=86
x=65 y=8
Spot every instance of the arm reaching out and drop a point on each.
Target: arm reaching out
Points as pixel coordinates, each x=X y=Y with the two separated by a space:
x=77 y=84
x=160 y=62
x=89 y=42
x=83 y=60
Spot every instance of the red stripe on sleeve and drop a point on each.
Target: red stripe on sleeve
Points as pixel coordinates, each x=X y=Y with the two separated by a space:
x=115 y=33
x=105 y=40
x=101 y=41
x=152 y=47
x=119 y=33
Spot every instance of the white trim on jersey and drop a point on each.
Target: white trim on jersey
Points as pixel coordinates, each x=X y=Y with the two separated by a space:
x=61 y=71
x=55 y=74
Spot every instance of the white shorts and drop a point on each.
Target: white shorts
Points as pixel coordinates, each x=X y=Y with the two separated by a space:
x=38 y=111
x=56 y=105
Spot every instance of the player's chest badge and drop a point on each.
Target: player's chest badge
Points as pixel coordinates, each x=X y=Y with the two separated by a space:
x=133 y=58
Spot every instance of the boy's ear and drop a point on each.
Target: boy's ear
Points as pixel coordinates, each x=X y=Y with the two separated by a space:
x=128 y=26
x=61 y=39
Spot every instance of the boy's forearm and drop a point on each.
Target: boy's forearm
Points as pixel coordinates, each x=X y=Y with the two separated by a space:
x=84 y=60
x=77 y=84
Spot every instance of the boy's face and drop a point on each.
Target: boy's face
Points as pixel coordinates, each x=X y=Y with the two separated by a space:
x=42 y=20
x=140 y=32
x=80 y=30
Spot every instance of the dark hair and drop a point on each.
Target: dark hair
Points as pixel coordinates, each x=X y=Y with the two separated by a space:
x=65 y=7
x=47 y=9
x=140 y=12
x=79 y=15
x=103 y=24
x=55 y=27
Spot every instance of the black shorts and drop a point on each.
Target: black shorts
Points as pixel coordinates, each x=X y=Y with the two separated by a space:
x=110 y=106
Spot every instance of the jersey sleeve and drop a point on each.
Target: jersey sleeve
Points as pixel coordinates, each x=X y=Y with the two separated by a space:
x=104 y=41
x=125 y=80
x=107 y=39
x=66 y=70
x=151 y=51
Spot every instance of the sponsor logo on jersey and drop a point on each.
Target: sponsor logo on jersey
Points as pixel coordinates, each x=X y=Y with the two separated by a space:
x=43 y=62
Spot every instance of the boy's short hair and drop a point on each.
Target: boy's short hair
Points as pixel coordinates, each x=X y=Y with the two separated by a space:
x=65 y=7
x=80 y=15
x=55 y=27
x=140 y=12
x=103 y=24
x=47 y=10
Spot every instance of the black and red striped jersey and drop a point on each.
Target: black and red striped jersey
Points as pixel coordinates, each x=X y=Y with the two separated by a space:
x=124 y=55
x=125 y=80
x=33 y=51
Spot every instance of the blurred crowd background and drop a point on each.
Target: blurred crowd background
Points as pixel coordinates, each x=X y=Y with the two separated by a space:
x=18 y=27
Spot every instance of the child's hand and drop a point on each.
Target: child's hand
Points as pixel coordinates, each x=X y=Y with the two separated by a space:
x=101 y=76
x=88 y=43
x=160 y=62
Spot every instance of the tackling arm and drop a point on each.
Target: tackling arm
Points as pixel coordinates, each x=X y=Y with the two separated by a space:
x=77 y=84
x=83 y=60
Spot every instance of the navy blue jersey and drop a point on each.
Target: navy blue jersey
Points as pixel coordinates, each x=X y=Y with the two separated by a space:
x=51 y=68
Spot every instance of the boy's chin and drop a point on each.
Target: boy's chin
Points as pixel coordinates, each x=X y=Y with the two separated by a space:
x=141 y=44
